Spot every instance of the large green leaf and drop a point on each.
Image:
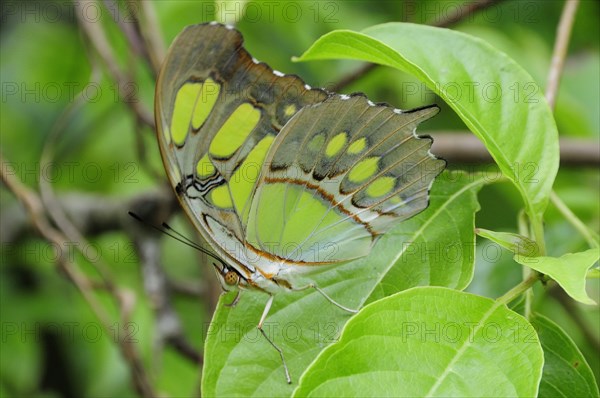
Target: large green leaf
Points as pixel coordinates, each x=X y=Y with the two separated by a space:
x=239 y=361
x=433 y=342
x=569 y=271
x=566 y=372
x=496 y=98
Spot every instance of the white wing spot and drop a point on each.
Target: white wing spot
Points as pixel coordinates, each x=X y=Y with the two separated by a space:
x=229 y=27
x=213 y=23
x=306 y=86
x=398 y=111
x=344 y=97
x=277 y=73
x=254 y=60
x=371 y=103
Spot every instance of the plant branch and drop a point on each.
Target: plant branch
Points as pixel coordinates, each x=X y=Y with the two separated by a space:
x=464 y=147
x=94 y=214
x=168 y=325
x=561 y=46
x=38 y=218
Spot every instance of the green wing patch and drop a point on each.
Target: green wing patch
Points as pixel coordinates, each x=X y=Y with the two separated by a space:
x=341 y=173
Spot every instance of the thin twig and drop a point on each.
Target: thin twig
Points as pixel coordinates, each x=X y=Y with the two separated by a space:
x=464 y=11
x=131 y=29
x=168 y=324
x=125 y=85
x=447 y=20
x=182 y=346
x=35 y=209
x=563 y=35
x=151 y=33
x=590 y=236
x=351 y=77
x=126 y=21
x=53 y=208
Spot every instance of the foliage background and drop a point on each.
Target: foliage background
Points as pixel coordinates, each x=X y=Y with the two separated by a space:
x=52 y=343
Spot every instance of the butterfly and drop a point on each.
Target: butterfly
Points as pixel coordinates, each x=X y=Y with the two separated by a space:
x=280 y=178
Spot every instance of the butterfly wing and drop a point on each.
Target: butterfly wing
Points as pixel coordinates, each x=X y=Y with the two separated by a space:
x=217 y=112
x=340 y=174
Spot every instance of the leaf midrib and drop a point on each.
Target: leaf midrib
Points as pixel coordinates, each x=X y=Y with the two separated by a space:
x=463 y=348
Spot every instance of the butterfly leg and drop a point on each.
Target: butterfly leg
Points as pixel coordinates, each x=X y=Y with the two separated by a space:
x=260 y=325
x=332 y=301
x=235 y=300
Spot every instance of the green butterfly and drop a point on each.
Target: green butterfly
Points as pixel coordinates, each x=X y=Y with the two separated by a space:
x=280 y=178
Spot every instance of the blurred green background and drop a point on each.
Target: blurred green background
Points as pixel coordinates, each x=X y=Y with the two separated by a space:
x=52 y=344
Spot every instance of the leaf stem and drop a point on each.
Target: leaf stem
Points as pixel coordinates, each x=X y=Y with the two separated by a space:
x=537 y=230
x=574 y=220
x=524 y=229
x=519 y=289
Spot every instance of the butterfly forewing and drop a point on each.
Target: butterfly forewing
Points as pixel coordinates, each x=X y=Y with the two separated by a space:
x=218 y=111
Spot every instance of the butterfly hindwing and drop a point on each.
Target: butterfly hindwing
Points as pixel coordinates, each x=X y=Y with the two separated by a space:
x=341 y=173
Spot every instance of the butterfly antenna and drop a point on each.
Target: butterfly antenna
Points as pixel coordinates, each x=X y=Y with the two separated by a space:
x=181 y=237
x=178 y=236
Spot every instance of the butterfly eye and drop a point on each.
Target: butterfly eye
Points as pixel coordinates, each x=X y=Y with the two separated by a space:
x=231 y=278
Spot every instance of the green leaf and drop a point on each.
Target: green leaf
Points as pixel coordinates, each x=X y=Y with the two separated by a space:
x=303 y=323
x=516 y=243
x=569 y=271
x=566 y=372
x=438 y=246
x=430 y=342
x=493 y=95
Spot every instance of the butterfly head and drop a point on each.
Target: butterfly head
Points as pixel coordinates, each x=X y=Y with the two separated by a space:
x=229 y=278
